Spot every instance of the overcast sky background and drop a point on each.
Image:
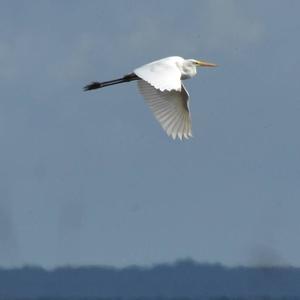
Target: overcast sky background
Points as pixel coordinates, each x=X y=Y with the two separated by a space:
x=91 y=178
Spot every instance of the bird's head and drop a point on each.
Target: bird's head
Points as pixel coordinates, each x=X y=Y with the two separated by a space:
x=201 y=63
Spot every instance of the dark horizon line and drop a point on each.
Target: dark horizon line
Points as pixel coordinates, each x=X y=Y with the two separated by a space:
x=178 y=262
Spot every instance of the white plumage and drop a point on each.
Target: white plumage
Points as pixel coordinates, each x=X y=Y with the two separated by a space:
x=170 y=108
x=160 y=82
x=163 y=74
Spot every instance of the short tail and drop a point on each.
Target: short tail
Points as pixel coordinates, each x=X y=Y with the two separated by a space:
x=97 y=85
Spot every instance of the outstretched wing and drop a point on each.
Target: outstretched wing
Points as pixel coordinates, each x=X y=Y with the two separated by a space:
x=163 y=74
x=170 y=108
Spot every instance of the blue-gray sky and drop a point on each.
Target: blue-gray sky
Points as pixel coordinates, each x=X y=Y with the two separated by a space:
x=90 y=178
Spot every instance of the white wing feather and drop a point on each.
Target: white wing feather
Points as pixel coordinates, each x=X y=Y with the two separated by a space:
x=170 y=108
x=163 y=74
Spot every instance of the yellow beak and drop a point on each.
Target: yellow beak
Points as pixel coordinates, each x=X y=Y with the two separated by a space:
x=205 y=64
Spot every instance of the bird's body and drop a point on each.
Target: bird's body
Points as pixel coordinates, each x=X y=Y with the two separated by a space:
x=160 y=82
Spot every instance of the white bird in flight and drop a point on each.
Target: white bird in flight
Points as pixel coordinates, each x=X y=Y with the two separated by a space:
x=160 y=82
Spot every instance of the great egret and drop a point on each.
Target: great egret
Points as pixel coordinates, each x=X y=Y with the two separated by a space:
x=160 y=82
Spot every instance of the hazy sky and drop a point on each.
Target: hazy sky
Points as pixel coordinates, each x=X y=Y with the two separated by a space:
x=91 y=178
